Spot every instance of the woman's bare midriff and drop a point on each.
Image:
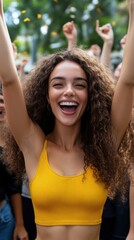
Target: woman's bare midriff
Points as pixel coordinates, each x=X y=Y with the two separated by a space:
x=68 y=232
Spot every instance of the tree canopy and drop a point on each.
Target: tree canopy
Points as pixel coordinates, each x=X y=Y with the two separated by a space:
x=43 y=20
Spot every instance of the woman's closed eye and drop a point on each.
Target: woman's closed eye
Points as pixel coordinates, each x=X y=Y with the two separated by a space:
x=57 y=85
x=80 y=86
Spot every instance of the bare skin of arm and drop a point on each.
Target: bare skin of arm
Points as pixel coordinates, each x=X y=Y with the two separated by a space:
x=107 y=35
x=23 y=129
x=70 y=33
x=19 y=230
x=121 y=112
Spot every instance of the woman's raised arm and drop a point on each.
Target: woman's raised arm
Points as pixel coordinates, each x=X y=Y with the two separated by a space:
x=18 y=119
x=124 y=92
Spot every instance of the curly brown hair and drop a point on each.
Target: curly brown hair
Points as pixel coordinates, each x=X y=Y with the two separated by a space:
x=96 y=130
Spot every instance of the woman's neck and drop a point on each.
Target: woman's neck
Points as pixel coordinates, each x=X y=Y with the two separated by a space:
x=66 y=137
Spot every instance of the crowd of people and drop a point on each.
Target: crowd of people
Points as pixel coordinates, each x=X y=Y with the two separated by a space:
x=67 y=140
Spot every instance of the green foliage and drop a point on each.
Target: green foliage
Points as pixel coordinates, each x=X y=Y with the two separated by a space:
x=7 y=3
x=35 y=13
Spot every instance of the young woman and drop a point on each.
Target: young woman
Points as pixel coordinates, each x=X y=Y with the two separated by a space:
x=68 y=125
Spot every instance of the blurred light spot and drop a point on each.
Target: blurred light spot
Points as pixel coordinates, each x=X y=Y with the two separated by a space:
x=44 y=29
x=26 y=20
x=53 y=33
x=23 y=11
x=39 y=16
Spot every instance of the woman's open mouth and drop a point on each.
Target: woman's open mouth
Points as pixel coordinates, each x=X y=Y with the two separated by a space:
x=68 y=107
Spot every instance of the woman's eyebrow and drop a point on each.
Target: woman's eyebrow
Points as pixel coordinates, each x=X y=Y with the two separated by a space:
x=80 y=78
x=63 y=78
x=57 y=78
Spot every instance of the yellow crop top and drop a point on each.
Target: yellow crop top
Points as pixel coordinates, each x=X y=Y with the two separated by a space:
x=65 y=200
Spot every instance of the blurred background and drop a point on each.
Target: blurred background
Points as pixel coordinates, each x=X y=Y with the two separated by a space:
x=35 y=26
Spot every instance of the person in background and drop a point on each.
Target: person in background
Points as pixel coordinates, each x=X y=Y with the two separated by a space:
x=117 y=70
x=70 y=32
x=27 y=207
x=94 y=50
x=130 y=235
x=107 y=35
x=11 y=217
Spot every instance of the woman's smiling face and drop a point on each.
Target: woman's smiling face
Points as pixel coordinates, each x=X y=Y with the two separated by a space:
x=67 y=92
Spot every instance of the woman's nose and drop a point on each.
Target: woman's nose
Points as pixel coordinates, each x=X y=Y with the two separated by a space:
x=69 y=91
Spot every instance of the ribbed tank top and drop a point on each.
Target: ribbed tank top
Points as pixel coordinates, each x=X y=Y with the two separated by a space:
x=66 y=200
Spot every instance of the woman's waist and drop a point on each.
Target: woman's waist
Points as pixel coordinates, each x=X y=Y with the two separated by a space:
x=68 y=232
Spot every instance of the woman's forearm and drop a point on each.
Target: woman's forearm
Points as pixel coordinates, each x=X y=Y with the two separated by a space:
x=6 y=52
